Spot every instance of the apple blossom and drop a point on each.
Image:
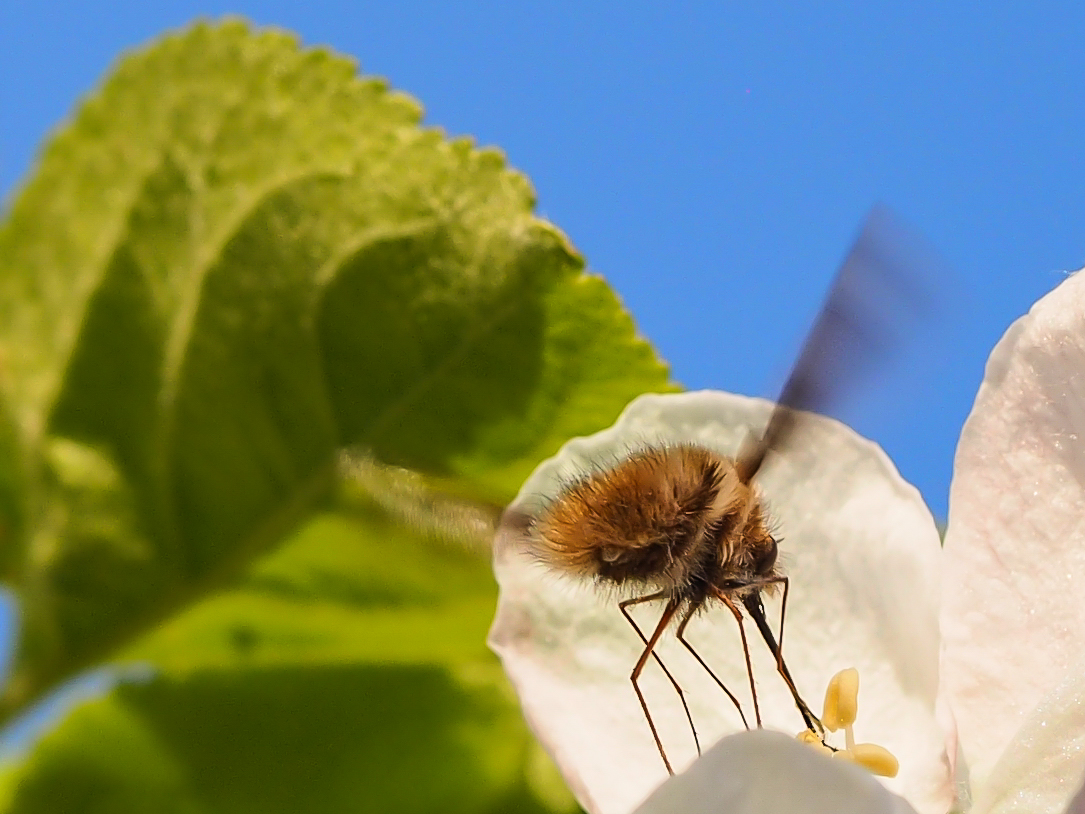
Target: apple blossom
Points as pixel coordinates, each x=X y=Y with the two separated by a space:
x=870 y=586
x=1013 y=609
x=761 y=771
x=864 y=556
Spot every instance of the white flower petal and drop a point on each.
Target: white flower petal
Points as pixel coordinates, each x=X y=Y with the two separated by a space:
x=863 y=554
x=1043 y=765
x=766 y=773
x=1077 y=805
x=1013 y=620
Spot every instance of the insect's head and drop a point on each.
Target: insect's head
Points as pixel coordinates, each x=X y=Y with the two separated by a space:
x=765 y=563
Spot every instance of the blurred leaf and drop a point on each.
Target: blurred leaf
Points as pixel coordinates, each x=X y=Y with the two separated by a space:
x=235 y=260
x=408 y=497
x=334 y=678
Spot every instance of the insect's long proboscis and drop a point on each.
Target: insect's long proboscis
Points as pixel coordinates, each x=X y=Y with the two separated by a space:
x=752 y=603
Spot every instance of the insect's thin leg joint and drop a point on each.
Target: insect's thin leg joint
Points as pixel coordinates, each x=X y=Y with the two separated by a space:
x=745 y=651
x=674 y=682
x=664 y=620
x=696 y=655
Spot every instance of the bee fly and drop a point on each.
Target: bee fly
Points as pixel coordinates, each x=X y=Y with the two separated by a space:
x=686 y=525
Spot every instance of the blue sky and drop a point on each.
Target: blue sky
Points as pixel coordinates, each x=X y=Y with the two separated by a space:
x=713 y=160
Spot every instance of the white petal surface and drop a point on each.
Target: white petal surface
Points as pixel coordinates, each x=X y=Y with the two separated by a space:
x=767 y=773
x=864 y=557
x=1077 y=805
x=1043 y=766
x=1013 y=619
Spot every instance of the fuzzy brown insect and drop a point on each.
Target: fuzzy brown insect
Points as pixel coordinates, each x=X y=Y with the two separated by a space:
x=685 y=525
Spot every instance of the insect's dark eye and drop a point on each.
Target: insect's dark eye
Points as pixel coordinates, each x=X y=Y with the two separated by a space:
x=767 y=561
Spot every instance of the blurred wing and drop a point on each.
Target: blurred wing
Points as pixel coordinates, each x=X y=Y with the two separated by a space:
x=877 y=295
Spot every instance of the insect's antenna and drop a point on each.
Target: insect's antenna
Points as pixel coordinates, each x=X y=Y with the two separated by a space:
x=756 y=609
x=874 y=297
x=664 y=620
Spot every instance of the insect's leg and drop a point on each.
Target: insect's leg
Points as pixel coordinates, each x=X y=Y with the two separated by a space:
x=745 y=651
x=777 y=651
x=757 y=612
x=664 y=620
x=696 y=655
x=674 y=683
x=783 y=615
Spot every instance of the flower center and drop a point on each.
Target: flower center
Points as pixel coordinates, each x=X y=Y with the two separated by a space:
x=841 y=709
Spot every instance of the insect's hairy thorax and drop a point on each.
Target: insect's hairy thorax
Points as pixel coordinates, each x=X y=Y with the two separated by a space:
x=674 y=518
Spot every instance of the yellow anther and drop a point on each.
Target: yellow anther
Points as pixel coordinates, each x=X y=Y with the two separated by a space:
x=808 y=736
x=812 y=740
x=875 y=759
x=841 y=700
x=841 y=707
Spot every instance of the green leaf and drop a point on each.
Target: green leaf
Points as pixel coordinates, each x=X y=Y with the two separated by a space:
x=235 y=261
x=334 y=678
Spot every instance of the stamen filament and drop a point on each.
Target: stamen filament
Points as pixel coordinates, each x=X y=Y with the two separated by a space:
x=841 y=709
